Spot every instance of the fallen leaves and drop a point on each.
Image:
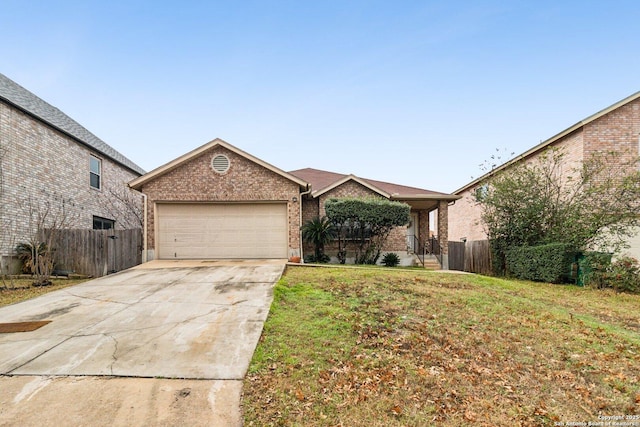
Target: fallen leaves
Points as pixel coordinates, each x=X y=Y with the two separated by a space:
x=422 y=353
x=396 y=410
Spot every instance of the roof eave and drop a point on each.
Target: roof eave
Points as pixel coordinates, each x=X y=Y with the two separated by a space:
x=550 y=141
x=135 y=168
x=418 y=197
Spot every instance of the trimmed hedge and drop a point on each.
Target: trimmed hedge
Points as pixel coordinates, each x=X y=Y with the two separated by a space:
x=550 y=263
x=365 y=224
x=372 y=212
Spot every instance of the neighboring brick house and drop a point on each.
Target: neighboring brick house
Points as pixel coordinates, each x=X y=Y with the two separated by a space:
x=218 y=201
x=49 y=161
x=616 y=128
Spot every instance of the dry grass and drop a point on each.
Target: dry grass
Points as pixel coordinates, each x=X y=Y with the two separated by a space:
x=387 y=347
x=18 y=290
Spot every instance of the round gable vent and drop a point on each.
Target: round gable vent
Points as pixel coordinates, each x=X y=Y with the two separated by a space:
x=220 y=163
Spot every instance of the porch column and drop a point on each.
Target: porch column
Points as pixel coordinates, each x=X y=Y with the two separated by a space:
x=443 y=232
x=424 y=226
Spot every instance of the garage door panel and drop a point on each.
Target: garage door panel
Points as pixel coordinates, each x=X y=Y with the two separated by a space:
x=196 y=231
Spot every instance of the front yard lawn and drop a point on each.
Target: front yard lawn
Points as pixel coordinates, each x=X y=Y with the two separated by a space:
x=20 y=289
x=380 y=347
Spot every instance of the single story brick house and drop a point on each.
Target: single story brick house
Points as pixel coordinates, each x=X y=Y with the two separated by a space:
x=219 y=202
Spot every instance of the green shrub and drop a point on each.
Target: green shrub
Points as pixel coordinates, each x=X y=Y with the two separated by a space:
x=312 y=258
x=319 y=232
x=391 y=259
x=593 y=269
x=27 y=253
x=624 y=275
x=364 y=224
x=550 y=263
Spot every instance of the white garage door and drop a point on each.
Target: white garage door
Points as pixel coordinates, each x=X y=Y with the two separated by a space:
x=214 y=231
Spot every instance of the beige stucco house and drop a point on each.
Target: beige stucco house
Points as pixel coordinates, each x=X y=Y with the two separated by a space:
x=218 y=201
x=615 y=128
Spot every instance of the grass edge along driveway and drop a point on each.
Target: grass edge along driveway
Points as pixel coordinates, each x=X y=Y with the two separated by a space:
x=378 y=347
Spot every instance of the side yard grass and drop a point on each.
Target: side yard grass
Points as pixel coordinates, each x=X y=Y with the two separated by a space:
x=358 y=347
x=21 y=289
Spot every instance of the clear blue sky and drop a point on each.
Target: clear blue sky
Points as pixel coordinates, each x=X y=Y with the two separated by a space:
x=412 y=92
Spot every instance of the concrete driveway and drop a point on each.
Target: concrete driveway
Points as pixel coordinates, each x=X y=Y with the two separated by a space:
x=145 y=326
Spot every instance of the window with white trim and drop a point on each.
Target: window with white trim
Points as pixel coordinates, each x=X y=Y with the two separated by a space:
x=95 y=172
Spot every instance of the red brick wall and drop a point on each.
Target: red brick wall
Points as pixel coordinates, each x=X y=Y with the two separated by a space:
x=245 y=181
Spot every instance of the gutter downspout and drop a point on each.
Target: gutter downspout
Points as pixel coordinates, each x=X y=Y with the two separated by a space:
x=304 y=193
x=144 y=226
x=145 y=233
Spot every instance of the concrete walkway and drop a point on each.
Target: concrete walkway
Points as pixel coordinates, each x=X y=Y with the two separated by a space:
x=147 y=346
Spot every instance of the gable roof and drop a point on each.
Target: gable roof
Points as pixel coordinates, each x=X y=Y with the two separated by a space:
x=22 y=99
x=332 y=180
x=324 y=181
x=159 y=171
x=550 y=141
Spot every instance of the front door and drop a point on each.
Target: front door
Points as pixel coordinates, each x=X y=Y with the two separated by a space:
x=412 y=233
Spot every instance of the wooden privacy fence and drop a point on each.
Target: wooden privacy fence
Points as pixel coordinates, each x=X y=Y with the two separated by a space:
x=456 y=255
x=477 y=257
x=97 y=252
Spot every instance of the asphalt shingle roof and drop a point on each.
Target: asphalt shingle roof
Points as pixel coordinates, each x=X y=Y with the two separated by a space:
x=320 y=179
x=20 y=97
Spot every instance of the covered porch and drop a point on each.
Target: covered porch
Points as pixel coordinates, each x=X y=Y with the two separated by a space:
x=427 y=234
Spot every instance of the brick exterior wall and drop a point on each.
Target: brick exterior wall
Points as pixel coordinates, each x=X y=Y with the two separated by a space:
x=245 y=181
x=348 y=189
x=618 y=130
x=465 y=220
x=40 y=166
x=397 y=241
x=423 y=225
x=310 y=208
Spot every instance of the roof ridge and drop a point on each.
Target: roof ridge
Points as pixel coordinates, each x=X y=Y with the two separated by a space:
x=384 y=186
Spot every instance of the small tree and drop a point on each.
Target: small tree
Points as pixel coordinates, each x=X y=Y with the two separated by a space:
x=47 y=219
x=595 y=205
x=126 y=205
x=365 y=223
x=319 y=232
